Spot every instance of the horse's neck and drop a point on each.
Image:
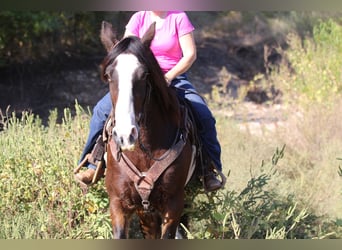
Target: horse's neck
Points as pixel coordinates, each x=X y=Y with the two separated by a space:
x=159 y=126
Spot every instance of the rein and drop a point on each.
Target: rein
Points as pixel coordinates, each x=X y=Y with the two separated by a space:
x=144 y=181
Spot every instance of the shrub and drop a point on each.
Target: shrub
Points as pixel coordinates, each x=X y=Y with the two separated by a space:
x=255 y=212
x=316 y=63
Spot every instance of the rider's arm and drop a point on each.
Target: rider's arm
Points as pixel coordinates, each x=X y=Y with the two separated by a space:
x=188 y=46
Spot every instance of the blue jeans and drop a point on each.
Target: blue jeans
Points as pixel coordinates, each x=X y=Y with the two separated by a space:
x=100 y=114
x=207 y=129
x=206 y=121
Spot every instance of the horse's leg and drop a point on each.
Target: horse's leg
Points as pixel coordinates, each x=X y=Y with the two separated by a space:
x=181 y=232
x=171 y=217
x=120 y=220
x=150 y=224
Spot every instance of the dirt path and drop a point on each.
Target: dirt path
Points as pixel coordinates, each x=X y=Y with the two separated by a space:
x=258 y=120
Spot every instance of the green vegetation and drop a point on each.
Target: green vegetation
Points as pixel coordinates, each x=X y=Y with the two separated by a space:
x=283 y=186
x=26 y=36
x=39 y=197
x=317 y=65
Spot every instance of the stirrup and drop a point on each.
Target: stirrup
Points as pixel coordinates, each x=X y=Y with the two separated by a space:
x=222 y=176
x=215 y=171
x=82 y=164
x=95 y=158
x=99 y=165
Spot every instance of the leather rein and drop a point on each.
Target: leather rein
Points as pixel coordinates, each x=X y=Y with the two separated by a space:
x=144 y=181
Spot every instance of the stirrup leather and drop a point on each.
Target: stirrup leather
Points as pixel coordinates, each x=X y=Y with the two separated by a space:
x=95 y=158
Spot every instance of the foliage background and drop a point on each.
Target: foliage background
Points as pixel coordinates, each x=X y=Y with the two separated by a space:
x=281 y=185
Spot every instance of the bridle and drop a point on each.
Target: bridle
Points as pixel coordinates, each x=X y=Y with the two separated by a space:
x=144 y=181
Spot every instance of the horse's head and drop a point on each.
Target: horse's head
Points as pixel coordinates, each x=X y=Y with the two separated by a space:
x=126 y=69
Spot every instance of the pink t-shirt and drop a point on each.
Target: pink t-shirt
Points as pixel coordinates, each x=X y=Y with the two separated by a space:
x=165 y=45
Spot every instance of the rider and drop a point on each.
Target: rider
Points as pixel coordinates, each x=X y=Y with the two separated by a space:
x=175 y=50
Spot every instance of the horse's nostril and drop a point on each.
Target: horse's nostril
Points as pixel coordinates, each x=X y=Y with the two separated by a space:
x=125 y=138
x=134 y=132
x=133 y=135
x=131 y=139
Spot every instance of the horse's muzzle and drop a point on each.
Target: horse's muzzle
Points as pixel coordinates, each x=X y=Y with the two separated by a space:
x=126 y=138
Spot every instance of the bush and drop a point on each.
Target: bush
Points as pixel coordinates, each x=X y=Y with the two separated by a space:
x=254 y=213
x=316 y=65
x=33 y=36
x=40 y=199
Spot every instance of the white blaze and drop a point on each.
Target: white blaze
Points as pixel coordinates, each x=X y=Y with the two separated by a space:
x=125 y=126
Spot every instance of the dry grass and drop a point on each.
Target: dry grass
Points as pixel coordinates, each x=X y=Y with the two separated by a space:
x=314 y=143
x=295 y=201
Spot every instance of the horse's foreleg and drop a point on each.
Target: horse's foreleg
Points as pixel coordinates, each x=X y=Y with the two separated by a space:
x=171 y=219
x=169 y=228
x=150 y=224
x=120 y=222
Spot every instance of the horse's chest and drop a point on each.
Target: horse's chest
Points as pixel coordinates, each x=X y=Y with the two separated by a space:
x=131 y=199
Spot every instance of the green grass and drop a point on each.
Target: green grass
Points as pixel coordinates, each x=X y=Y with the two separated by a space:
x=40 y=199
x=285 y=185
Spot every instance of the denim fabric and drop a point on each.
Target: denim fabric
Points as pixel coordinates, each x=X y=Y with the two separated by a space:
x=206 y=121
x=207 y=129
x=98 y=119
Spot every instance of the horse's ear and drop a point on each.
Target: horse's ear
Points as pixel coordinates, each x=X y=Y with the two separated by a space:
x=149 y=35
x=108 y=36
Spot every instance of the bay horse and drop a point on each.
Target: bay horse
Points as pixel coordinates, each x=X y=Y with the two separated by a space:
x=149 y=150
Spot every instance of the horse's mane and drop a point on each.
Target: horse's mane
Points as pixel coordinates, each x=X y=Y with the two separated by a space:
x=165 y=96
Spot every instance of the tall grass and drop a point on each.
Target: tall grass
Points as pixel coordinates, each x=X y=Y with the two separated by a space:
x=40 y=199
x=316 y=63
x=298 y=188
x=312 y=90
x=287 y=185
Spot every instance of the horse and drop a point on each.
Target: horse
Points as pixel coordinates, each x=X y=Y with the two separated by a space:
x=149 y=148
